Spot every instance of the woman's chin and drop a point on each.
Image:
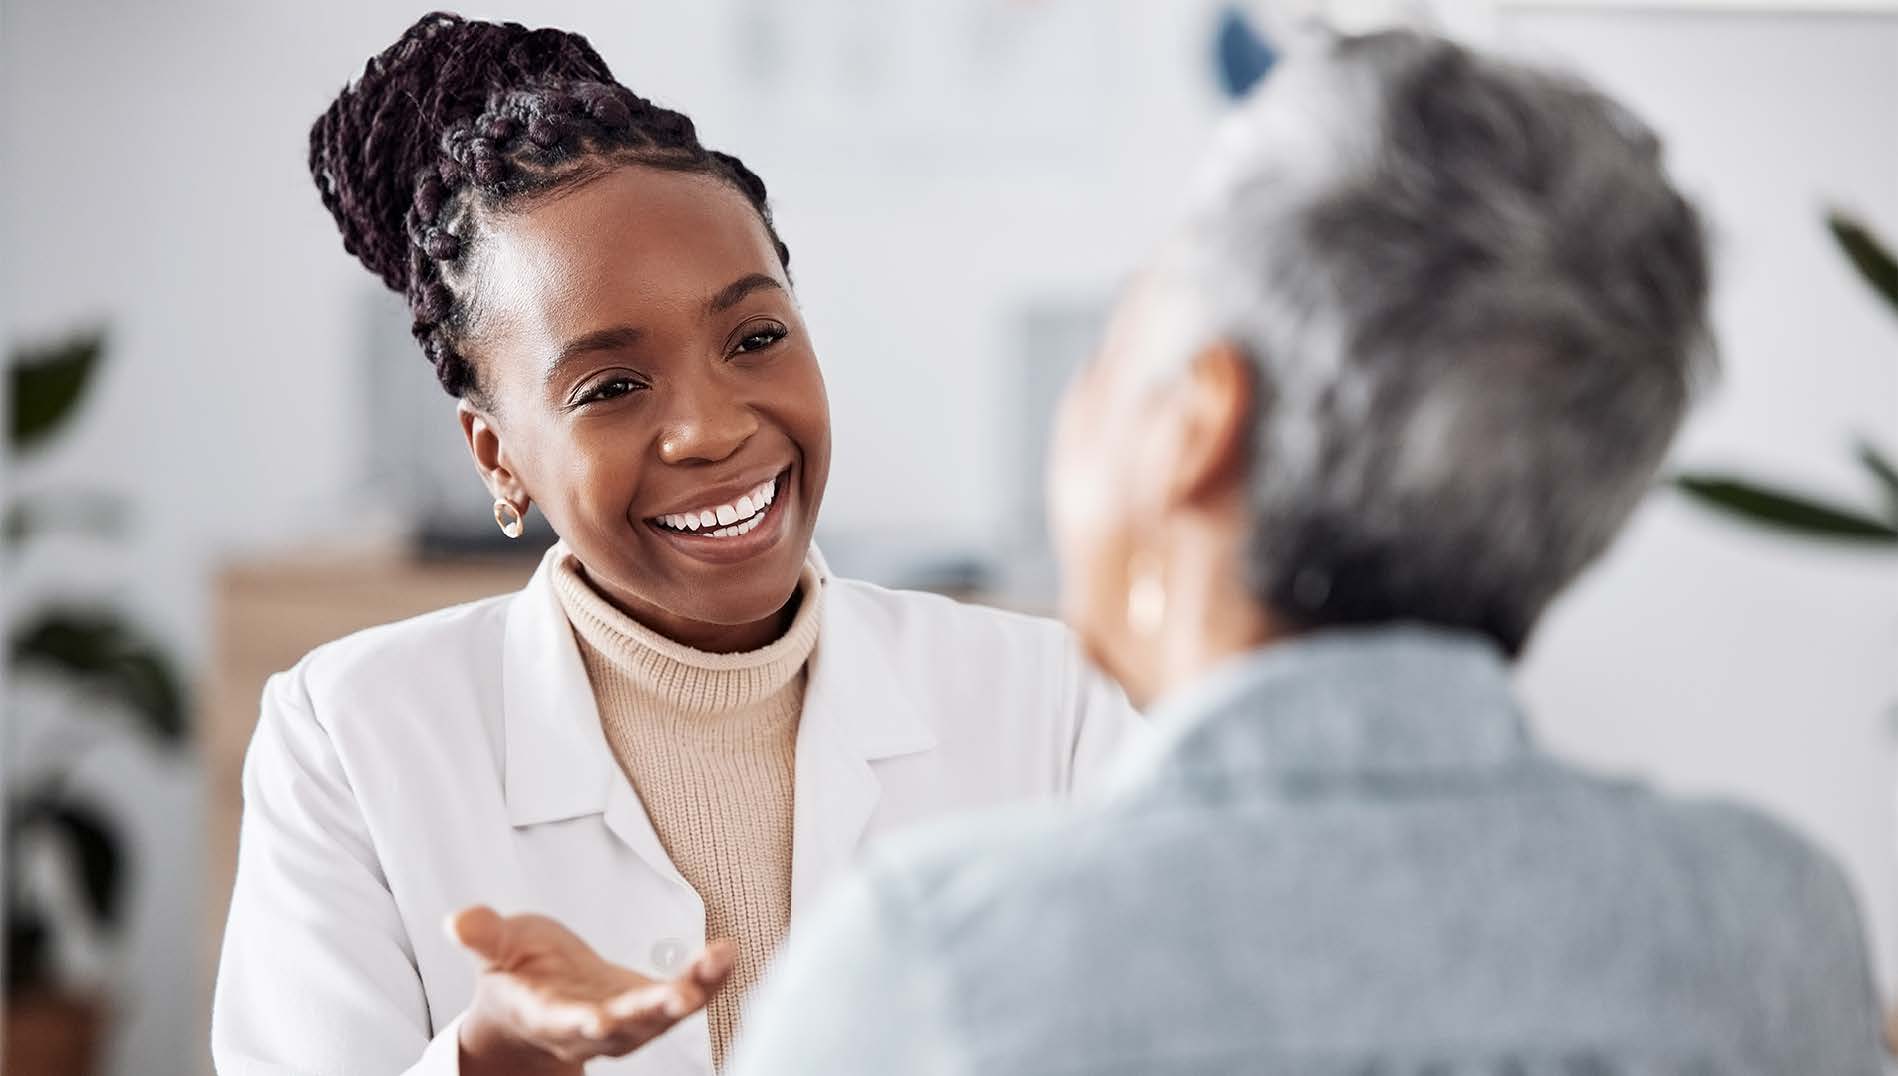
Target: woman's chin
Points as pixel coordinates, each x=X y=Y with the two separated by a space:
x=736 y=614
x=742 y=594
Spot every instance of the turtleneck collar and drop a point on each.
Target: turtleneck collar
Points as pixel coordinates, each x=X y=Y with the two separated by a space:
x=676 y=678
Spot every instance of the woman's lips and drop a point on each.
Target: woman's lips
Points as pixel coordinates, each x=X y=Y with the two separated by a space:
x=724 y=520
x=744 y=537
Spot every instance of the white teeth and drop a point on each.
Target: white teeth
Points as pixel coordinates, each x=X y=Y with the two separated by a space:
x=746 y=527
x=727 y=520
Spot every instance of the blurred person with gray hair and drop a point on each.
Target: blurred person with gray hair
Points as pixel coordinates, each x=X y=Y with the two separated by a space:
x=1410 y=364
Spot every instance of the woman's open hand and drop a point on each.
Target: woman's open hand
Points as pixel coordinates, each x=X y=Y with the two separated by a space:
x=546 y=1002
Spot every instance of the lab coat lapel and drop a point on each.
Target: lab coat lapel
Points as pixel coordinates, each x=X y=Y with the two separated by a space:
x=856 y=711
x=558 y=763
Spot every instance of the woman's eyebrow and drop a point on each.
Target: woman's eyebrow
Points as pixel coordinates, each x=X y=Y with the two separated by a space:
x=732 y=293
x=621 y=336
x=581 y=346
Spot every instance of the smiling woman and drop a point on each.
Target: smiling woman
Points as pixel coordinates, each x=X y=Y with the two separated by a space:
x=684 y=727
x=638 y=354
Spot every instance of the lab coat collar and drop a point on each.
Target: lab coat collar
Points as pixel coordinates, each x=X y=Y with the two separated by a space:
x=559 y=766
x=856 y=711
x=558 y=763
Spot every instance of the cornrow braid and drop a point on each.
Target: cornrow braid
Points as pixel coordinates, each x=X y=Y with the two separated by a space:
x=458 y=117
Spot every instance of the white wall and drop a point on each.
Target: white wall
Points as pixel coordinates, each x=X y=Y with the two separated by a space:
x=151 y=171
x=1712 y=658
x=152 y=159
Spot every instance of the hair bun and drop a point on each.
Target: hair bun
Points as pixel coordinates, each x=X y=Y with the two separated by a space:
x=369 y=148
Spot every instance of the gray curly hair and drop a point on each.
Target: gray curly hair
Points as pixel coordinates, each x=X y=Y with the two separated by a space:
x=1476 y=307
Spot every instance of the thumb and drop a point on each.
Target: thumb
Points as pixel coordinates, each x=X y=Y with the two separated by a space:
x=480 y=930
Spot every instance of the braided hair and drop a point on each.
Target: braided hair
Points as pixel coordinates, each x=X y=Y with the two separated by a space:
x=460 y=117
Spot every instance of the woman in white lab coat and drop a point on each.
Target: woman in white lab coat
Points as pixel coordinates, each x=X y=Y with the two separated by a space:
x=684 y=727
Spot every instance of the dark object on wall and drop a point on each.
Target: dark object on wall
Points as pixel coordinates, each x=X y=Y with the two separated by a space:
x=49 y=1028
x=1803 y=514
x=1241 y=53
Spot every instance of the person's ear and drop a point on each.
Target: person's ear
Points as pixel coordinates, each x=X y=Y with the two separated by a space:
x=1214 y=404
x=489 y=450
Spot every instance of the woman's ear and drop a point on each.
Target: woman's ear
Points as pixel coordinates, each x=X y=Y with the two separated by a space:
x=1214 y=403
x=478 y=428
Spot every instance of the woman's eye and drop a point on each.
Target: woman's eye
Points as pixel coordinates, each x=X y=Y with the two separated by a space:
x=761 y=338
x=609 y=390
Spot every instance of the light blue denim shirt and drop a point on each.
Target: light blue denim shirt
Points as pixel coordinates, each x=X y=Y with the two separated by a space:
x=1339 y=855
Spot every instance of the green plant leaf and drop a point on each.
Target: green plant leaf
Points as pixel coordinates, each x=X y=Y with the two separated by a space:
x=98 y=649
x=1874 y=262
x=90 y=839
x=47 y=384
x=1786 y=510
x=94 y=851
x=29 y=951
x=1882 y=469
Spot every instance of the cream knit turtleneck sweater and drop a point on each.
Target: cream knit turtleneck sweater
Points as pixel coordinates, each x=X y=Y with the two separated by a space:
x=708 y=740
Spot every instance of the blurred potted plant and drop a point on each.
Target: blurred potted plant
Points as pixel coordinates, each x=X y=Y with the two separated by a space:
x=1798 y=513
x=1804 y=514
x=64 y=867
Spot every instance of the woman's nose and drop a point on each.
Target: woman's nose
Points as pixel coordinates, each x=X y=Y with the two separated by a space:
x=706 y=431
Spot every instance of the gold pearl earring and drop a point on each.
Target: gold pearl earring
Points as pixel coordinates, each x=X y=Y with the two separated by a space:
x=508 y=518
x=1146 y=596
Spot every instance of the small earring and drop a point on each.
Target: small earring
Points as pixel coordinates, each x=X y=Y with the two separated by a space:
x=1146 y=597
x=508 y=518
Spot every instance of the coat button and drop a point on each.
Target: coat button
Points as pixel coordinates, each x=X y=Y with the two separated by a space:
x=668 y=954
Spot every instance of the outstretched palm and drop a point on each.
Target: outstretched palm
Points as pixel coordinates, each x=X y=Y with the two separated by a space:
x=544 y=989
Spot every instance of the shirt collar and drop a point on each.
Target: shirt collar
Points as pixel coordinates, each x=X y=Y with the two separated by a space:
x=1388 y=701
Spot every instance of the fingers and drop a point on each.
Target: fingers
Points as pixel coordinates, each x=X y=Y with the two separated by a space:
x=552 y=1009
x=714 y=965
x=580 y=1031
x=574 y=1018
x=642 y=1003
x=701 y=979
x=682 y=996
x=480 y=930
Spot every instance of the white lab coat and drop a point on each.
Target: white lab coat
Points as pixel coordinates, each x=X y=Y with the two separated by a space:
x=457 y=758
